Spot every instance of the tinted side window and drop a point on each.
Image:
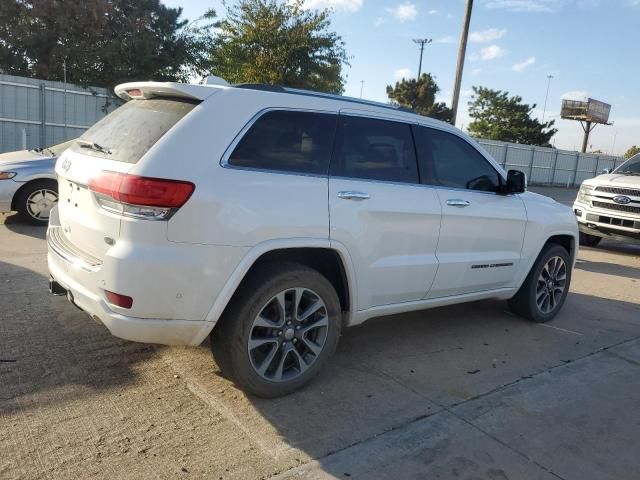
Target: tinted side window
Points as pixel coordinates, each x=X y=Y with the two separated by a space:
x=289 y=141
x=449 y=161
x=374 y=149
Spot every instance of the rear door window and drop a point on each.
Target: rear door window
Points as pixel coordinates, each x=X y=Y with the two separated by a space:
x=290 y=141
x=374 y=149
x=132 y=129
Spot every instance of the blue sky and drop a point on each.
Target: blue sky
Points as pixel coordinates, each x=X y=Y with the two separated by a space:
x=591 y=47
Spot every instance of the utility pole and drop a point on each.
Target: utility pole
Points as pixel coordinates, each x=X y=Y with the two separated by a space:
x=461 y=53
x=64 y=98
x=544 y=110
x=422 y=42
x=361 y=87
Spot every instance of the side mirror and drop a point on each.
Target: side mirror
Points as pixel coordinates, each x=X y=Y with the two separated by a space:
x=605 y=171
x=516 y=182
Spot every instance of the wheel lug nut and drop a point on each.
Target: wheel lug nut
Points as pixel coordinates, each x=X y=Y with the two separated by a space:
x=289 y=322
x=297 y=327
x=284 y=344
x=295 y=340
x=280 y=333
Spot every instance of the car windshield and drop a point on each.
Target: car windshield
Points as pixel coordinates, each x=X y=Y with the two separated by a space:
x=631 y=166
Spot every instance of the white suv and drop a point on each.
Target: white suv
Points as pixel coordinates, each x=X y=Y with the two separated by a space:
x=270 y=218
x=608 y=206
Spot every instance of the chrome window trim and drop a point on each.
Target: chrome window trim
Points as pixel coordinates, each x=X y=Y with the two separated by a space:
x=224 y=160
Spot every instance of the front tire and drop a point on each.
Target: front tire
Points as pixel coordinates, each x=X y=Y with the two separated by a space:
x=545 y=289
x=35 y=201
x=279 y=330
x=589 y=240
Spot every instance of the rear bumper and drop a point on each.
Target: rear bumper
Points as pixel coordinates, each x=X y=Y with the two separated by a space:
x=166 y=332
x=173 y=286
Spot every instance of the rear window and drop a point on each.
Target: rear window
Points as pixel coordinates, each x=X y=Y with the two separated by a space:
x=130 y=131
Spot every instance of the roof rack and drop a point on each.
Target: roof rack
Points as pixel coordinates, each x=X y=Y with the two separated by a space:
x=332 y=96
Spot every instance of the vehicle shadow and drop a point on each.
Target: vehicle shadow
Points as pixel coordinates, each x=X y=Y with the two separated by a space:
x=607 y=268
x=628 y=249
x=51 y=352
x=393 y=371
x=14 y=223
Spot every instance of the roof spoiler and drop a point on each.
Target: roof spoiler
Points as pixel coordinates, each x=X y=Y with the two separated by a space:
x=146 y=90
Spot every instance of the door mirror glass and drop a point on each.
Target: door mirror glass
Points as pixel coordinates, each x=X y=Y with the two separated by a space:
x=516 y=182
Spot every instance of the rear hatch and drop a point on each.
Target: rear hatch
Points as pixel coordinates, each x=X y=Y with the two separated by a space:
x=94 y=188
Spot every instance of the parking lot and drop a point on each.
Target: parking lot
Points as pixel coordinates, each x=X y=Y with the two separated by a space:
x=468 y=391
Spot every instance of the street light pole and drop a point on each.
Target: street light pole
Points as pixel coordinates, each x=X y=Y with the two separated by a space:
x=544 y=110
x=422 y=42
x=461 y=53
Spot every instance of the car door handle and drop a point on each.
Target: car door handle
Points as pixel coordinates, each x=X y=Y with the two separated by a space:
x=458 y=202
x=350 y=195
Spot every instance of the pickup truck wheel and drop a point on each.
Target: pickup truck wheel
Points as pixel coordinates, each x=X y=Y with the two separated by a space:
x=279 y=330
x=35 y=201
x=589 y=240
x=545 y=289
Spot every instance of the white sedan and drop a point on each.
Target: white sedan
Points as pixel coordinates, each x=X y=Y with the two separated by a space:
x=28 y=183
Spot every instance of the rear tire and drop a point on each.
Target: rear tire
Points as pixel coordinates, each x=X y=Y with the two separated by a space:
x=279 y=330
x=545 y=289
x=35 y=201
x=589 y=240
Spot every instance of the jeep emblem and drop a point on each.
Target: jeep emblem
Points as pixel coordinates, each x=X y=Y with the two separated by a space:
x=621 y=199
x=66 y=165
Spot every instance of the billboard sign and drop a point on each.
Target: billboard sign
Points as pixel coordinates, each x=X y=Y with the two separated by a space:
x=590 y=111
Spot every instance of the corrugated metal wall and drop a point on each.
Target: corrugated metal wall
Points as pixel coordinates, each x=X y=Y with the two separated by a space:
x=549 y=166
x=38 y=113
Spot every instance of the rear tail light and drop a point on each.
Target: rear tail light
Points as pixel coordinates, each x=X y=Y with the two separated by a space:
x=141 y=197
x=119 y=300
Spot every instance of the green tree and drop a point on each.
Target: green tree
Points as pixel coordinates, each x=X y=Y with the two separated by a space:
x=631 y=152
x=420 y=96
x=102 y=42
x=497 y=116
x=278 y=42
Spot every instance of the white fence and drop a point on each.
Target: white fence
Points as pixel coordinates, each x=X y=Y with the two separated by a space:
x=549 y=166
x=38 y=113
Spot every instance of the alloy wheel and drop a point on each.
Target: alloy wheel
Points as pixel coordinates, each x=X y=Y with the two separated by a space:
x=288 y=334
x=551 y=285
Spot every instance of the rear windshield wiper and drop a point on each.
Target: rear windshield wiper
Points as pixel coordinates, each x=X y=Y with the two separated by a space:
x=93 y=146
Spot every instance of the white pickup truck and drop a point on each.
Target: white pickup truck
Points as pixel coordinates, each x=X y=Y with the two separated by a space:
x=608 y=206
